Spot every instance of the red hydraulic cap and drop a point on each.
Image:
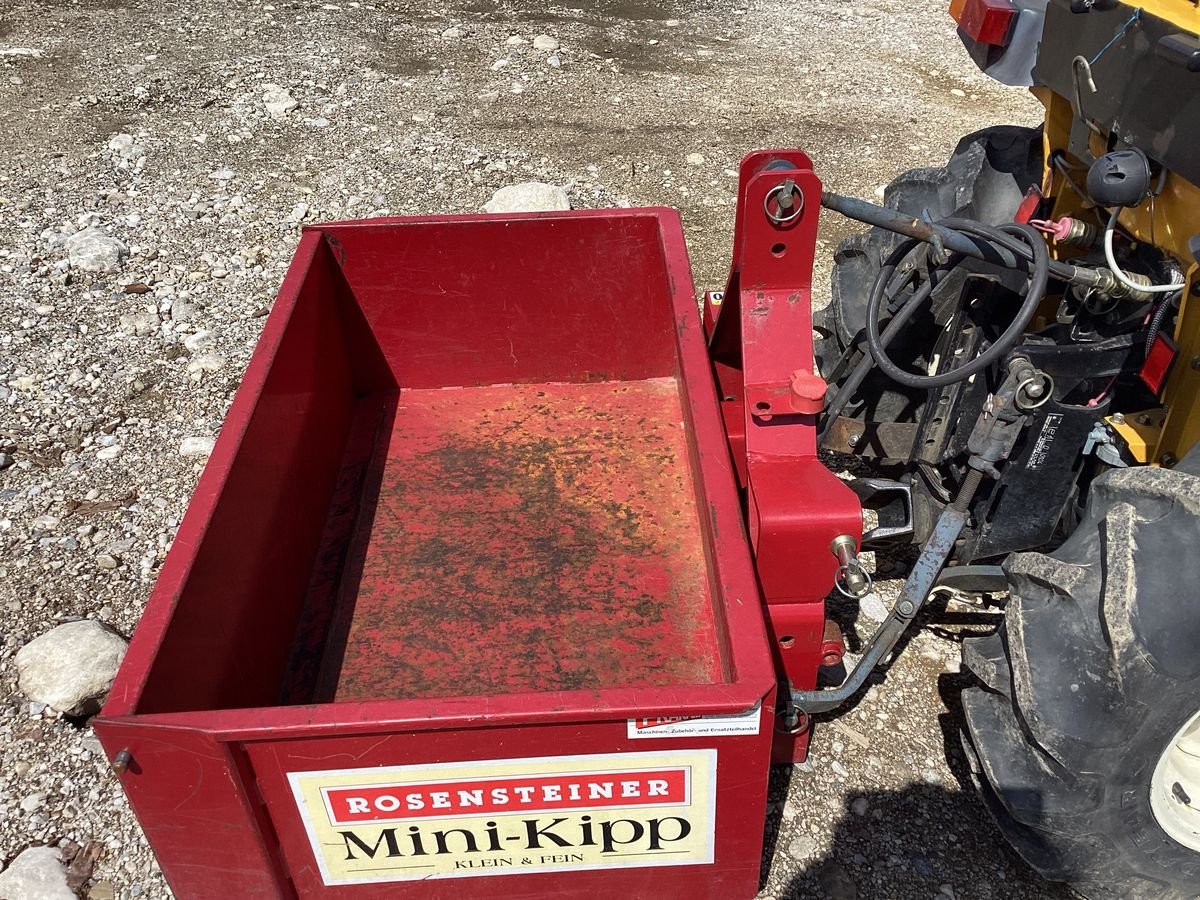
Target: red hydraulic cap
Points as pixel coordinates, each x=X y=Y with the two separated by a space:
x=808 y=392
x=985 y=21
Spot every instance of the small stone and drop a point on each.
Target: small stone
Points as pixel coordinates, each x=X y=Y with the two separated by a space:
x=37 y=874
x=196 y=446
x=872 y=607
x=206 y=362
x=91 y=250
x=124 y=147
x=516 y=40
x=931 y=776
x=33 y=802
x=107 y=561
x=554 y=62
x=839 y=769
x=22 y=768
x=298 y=213
x=545 y=42
x=109 y=452
x=225 y=174
x=71 y=666
x=137 y=288
x=533 y=196
x=836 y=881
x=45 y=523
x=958 y=93
x=198 y=341
x=801 y=848
x=102 y=890
x=181 y=310
x=278 y=101
x=695 y=159
x=453 y=33
x=859 y=806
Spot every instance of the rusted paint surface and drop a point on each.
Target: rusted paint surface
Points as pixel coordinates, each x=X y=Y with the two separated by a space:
x=528 y=538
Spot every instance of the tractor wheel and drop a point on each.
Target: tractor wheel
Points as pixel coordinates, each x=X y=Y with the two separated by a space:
x=1085 y=738
x=985 y=179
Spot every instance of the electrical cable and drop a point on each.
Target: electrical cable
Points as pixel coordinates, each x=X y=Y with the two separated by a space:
x=1160 y=316
x=1109 y=230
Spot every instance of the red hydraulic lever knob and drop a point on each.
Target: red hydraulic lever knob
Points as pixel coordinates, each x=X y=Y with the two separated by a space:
x=808 y=392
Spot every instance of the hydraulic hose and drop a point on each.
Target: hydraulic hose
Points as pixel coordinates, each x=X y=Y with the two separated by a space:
x=1028 y=244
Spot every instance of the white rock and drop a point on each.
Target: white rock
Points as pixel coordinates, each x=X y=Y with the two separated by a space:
x=143 y=322
x=839 y=769
x=111 y=452
x=196 y=446
x=801 y=847
x=872 y=607
x=532 y=196
x=299 y=211
x=37 y=874
x=554 y=62
x=107 y=561
x=94 y=251
x=278 y=101
x=33 y=802
x=695 y=159
x=31 y=52
x=124 y=147
x=70 y=667
x=516 y=40
x=198 y=341
x=206 y=362
x=453 y=33
x=545 y=42
x=225 y=174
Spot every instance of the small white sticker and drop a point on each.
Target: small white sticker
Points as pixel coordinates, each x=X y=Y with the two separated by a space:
x=696 y=726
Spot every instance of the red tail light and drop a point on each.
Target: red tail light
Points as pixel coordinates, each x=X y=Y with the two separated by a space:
x=986 y=21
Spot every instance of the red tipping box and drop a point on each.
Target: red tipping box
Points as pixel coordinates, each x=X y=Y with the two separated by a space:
x=463 y=604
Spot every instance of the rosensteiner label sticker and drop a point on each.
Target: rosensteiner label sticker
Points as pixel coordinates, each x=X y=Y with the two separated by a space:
x=510 y=816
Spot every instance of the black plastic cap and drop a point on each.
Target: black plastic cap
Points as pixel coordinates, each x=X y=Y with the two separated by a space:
x=1120 y=178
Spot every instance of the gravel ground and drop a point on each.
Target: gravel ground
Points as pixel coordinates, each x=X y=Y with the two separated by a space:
x=202 y=139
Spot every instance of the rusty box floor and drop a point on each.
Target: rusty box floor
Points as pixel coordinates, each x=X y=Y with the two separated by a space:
x=518 y=538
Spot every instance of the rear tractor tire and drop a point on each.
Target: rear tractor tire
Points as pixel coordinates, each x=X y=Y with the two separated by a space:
x=1085 y=738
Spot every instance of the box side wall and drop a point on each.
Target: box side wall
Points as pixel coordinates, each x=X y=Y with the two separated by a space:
x=734 y=821
x=733 y=583
x=489 y=300
x=196 y=801
x=236 y=611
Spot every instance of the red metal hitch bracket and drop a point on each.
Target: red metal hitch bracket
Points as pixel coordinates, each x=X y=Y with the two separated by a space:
x=760 y=341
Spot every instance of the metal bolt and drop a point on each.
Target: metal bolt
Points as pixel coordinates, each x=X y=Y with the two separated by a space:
x=1118 y=418
x=1143 y=419
x=120 y=762
x=905 y=608
x=1167 y=460
x=1195 y=363
x=853 y=438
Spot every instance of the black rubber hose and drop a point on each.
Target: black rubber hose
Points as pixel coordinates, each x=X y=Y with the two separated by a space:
x=1039 y=277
